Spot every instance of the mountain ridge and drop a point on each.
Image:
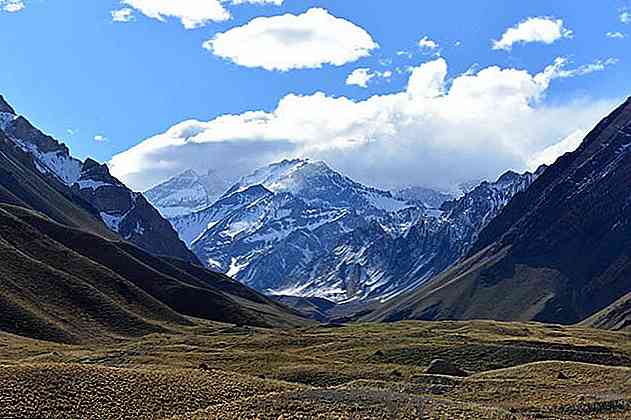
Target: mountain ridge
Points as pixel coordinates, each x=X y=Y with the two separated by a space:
x=558 y=252
x=124 y=212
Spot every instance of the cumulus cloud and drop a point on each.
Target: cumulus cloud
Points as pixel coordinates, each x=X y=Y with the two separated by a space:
x=434 y=132
x=535 y=29
x=122 y=15
x=428 y=80
x=100 y=138
x=625 y=16
x=360 y=77
x=12 y=6
x=192 y=13
x=288 y=42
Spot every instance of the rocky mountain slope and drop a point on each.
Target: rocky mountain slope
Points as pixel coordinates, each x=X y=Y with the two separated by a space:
x=616 y=316
x=386 y=257
x=559 y=252
x=125 y=212
x=299 y=228
x=67 y=277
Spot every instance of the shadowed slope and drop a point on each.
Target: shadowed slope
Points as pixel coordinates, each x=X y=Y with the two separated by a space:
x=559 y=252
x=65 y=284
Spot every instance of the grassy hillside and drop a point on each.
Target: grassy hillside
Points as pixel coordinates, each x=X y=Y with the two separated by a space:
x=66 y=284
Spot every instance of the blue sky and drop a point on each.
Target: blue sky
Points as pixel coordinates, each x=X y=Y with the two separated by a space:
x=77 y=74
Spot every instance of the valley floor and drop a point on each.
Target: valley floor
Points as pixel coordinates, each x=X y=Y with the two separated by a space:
x=215 y=371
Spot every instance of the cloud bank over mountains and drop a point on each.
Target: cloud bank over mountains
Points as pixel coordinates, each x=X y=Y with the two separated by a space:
x=437 y=132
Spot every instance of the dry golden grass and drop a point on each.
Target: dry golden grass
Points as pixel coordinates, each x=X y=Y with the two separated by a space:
x=518 y=371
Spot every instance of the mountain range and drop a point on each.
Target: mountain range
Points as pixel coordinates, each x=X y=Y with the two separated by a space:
x=87 y=256
x=299 y=228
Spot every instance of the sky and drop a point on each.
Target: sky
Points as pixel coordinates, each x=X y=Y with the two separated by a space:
x=392 y=93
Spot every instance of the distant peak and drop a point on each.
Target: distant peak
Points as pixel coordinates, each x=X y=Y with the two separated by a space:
x=93 y=168
x=290 y=162
x=5 y=107
x=508 y=176
x=90 y=164
x=189 y=173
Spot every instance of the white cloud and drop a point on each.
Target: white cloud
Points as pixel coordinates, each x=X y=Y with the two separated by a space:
x=100 y=138
x=288 y=42
x=434 y=132
x=596 y=66
x=12 y=6
x=535 y=29
x=192 y=13
x=259 y=2
x=428 y=44
x=360 y=77
x=428 y=80
x=616 y=35
x=625 y=16
x=122 y=15
x=550 y=154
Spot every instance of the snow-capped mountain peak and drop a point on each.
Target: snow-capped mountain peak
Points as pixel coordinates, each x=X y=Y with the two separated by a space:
x=277 y=177
x=186 y=193
x=316 y=183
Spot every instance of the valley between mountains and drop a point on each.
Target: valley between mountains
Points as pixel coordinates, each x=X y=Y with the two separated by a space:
x=297 y=292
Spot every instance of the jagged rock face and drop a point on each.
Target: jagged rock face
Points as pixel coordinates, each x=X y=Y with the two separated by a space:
x=22 y=129
x=128 y=213
x=379 y=261
x=299 y=228
x=98 y=187
x=186 y=193
x=123 y=211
